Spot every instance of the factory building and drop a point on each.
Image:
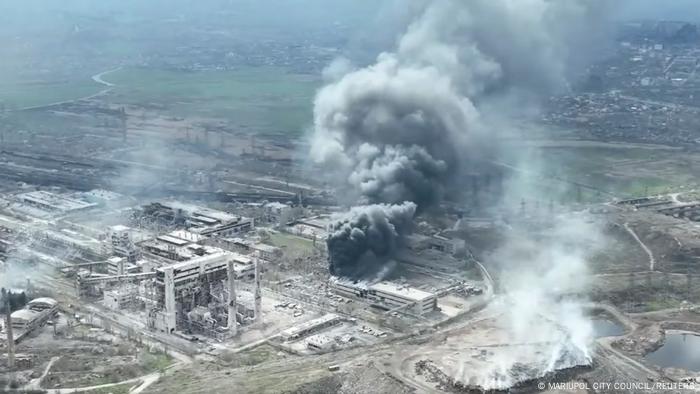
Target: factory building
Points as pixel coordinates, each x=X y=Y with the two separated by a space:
x=280 y=214
x=198 y=220
x=52 y=203
x=121 y=297
x=315 y=228
x=176 y=246
x=41 y=304
x=120 y=242
x=36 y=314
x=22 y=318
x=310 y=327
x=257 y=249
x=209 y=282
x=71 y=240
x=419 y=242
x=389 y=296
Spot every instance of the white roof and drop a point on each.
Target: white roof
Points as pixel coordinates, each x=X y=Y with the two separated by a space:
x=187 y=235
x=410 y=293
x=265 y=247
x=43 y=300
x=172 y=240
x=24 y=314
x=292 y=331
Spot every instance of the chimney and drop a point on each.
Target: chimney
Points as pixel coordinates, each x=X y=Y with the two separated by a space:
x=8 y=327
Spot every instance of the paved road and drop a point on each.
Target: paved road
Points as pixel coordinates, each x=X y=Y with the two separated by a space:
x=652 y=260
x=97 y=78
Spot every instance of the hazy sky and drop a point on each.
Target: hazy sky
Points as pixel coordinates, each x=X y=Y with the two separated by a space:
x=686 y=10
x=41 y=14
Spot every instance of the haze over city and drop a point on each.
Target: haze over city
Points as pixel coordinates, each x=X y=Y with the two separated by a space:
x=349 y=196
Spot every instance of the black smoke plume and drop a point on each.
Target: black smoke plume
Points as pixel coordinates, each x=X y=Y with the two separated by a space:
x=406 y=127
x=367 y=237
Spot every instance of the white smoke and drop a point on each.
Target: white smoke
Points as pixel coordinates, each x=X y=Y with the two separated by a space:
x=544 y=274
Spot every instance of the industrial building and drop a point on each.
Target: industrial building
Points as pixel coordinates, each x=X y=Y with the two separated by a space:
x=196 y=219
x=183 y=290
x=310 y=327
x=121 y=297
x=36 y=314
x=257 y=249
x=389 y=296
x=52 y=202
x=176 y=246
x=121 y=244
x=315 y=228
x=69 y=240
x=419 y=242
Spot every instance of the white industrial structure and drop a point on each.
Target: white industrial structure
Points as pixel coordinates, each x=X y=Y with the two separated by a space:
x=389 y=296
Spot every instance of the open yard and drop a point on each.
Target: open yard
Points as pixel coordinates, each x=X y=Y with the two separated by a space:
x=18 y=93
x=585 y=171
x=257 y=100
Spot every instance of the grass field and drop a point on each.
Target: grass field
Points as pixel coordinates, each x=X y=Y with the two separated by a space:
x=256 y=100
x=291 y=242
x=16 y=94
x=117 y=389
x=624 y=171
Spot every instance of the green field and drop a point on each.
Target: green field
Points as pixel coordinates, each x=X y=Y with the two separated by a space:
x=291 y=242
x=16 y=94
x=625 y=171
x=256 y=100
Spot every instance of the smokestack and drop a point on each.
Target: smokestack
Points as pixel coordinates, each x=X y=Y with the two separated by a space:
x=170 y=317
x=258 y=295
x=232 y=308
x=8 y=328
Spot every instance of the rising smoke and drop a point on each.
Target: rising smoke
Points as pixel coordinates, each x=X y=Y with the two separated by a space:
x=367 y=237
x=542 y=276
x=406 y=127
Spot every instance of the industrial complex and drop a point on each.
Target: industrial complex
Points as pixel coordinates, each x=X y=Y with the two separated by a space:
x=225 y=196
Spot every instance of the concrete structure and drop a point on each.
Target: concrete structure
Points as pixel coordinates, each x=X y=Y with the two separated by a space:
x=41 y=304
x=280 y=213
x=119 y=266
x=232 y=308
x=121 y=297
x=199 y=220
x=320 y=342
x=691 y=211
x=9 y=334
x=53 y=203
x=68 y=239
x=258 y=294
x=315 y=228
x=418 y=242
x=310 y=327
x=121 y=243
x=257 y=249
x=35 y=315
x=389 y=296
x=183 y=286
x=180 y=246
x=22 y=318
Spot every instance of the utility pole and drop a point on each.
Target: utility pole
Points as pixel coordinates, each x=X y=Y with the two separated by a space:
x=6 y=294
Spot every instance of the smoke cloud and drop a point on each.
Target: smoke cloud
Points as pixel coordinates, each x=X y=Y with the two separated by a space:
x=367 y=237
x=542 y=278
x=406 y=127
